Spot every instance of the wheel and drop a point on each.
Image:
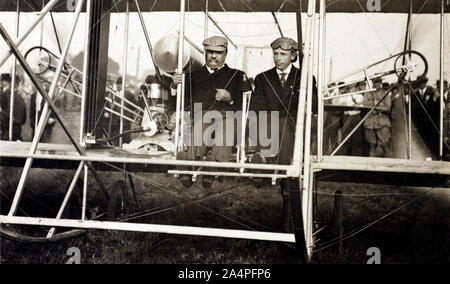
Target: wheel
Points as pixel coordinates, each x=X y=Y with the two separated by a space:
x=16 y=236
x=39 y=59
x=411 y=67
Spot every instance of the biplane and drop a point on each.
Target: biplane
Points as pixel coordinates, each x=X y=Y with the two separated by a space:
x=154 y=148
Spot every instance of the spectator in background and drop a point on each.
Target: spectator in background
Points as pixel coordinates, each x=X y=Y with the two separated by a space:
x=351 y=118
x=19 y=114
x=377 y=127
x=421 y=108
x=433 y=107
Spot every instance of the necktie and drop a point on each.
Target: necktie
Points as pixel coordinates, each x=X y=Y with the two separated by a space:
x=214 y=70
x=282 y=79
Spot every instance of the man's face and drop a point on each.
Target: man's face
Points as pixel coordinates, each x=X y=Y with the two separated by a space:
x=378 y=85
x=5 y=85
x=215 y=59
x=282 y=58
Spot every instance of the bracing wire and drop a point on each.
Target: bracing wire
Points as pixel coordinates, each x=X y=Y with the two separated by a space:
x=165 y=189
x=353 y=233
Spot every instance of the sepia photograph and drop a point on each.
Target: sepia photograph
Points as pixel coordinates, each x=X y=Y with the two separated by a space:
x=238 y=133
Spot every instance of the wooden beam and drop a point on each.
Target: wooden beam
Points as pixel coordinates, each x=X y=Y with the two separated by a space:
x=382 y=165
x=341 y=6
x=151 y=228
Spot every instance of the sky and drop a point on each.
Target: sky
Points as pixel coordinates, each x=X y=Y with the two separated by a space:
x=353 y=41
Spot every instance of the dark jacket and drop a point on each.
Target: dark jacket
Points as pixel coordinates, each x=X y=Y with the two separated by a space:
x=201 y=87
x=19 y=115
x=270 y=96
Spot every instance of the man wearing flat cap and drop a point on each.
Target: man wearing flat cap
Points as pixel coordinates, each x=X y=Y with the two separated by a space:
x=277 y=90
x=216 y=87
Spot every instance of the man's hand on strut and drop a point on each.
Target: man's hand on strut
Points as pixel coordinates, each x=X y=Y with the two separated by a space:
x=177 y=78
x=223 y=95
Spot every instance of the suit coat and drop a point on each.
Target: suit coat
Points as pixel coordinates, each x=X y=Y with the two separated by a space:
x=269 y=95
x=201 y=88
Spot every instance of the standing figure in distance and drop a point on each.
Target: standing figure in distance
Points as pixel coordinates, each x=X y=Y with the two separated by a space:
x=19 y=114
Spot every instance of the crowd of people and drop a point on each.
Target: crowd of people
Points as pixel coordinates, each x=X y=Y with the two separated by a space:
x=373 y=137
x=425 y=103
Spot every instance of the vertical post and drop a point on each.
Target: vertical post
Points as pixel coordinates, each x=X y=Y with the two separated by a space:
x=181 y=141
x=307 y=171
x=124 y=70
x=13 y=79
x=320 y=80
x=302 y=140
x=180 y=87
x=338 y=216
x=87 y=39
x=299 y=135
x=410 y=125
x=407 y=45
x=96 y=66
x=240 y=156
x=85 y=185
x=206 y=19
x=298 y=15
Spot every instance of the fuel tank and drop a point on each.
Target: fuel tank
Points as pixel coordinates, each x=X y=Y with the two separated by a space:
x=166 y=54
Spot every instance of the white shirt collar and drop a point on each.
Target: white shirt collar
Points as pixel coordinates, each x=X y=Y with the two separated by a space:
x=210 y=70
x=286 y=71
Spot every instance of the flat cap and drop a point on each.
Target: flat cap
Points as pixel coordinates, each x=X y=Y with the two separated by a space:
x=216 y=43
x=285 y=43
x=377 y=80
x=6 y=77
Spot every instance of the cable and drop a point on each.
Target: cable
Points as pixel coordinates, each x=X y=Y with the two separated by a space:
x=365 y=227
x=176 y=194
